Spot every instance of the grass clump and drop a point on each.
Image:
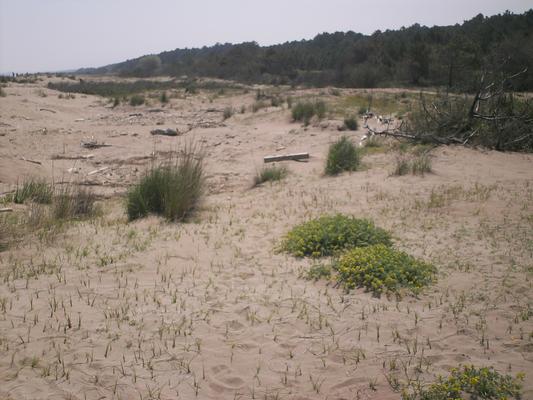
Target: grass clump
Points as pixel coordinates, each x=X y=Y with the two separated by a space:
x=136 y=100
x=417 y=165
x=328 y=235
x=228 y=112
x=342 y=156
x=351 y=124
x=380 y=268
x=34 y=190
x=172 y=189
x=270 y=174
x=304 y=111
x=73 y=202
x=469 y=382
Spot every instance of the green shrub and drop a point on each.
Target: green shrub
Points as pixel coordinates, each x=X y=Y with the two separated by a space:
x=304 y=111
x=172 y=189
x=73 y=202
x=328 y=235
x=35 y=190
x=469 y=382
x=381 y=268
x=342 y=156
x=163 y=98
x=136 y=100
x=351 y=123
x=270 y=174
x=2 y=92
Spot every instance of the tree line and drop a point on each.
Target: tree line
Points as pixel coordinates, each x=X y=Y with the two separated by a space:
x=445 y=56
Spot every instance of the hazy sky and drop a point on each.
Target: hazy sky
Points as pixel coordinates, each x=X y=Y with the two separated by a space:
x=51 y=35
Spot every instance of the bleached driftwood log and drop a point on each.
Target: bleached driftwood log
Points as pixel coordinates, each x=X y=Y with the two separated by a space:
x=283 y=157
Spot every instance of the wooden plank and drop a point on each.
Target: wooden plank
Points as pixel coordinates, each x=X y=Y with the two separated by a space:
x=3 y=210
x=283 y=157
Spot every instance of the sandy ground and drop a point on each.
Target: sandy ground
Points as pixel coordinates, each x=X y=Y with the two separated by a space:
x=208 y=309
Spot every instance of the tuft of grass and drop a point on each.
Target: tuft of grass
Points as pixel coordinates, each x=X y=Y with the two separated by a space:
x=415 y=164
x=270 y=174
x=228 y=112
x=136 y=100
x=342 y=156
x=72 y=202
x=469 y=382
x=163 y=98
x=319 y=271
x=328 y=235
x=35 y=190
x=351 y=124
x=172 y=189
x=2 y=92
x=380 y=268
x=304 y=111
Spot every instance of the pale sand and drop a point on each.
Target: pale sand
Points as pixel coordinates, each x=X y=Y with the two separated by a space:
x=208 y=309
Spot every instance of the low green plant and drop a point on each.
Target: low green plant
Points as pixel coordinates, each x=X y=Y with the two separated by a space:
x=36 y=190
x=172 y=189
x=351 y=124
x=136 y=100
x=342 y=156
x=402 y=166
x=270 y=174
x=380 y=268
x=331 y=234
x=163 y=98
x=319 y=271
x=469 y=382
x=2 y=92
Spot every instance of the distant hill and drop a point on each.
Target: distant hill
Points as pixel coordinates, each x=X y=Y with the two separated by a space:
x=415 y=56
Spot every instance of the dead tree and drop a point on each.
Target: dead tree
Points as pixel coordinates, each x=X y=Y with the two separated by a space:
x=493 y=117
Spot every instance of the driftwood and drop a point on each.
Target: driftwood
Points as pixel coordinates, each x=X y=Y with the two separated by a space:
x=282 y=157
x=97 y=171
x=47 y=109
x=3 y=210
x=63 y=157
x=93 y=144
x=165 y=132
x=31 y=161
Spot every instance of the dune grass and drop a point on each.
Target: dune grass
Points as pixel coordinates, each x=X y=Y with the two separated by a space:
x=342 y=156
x=172 y=189
x=270 y=174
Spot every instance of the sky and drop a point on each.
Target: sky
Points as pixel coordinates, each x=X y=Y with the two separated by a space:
x=56 y=35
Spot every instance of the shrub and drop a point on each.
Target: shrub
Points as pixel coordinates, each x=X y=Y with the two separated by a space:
x=2 y=92
x=270 y=174
x=381 y=268
x=116 y=102
x=328 y=235
x=469 y=382
x=351 y=123
x=342 y=156
x=304 y=111
x=35 y=190
x=163 y=98
x=172 y=189
x=136 y=100
x=228 y=112
x=73 y=202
